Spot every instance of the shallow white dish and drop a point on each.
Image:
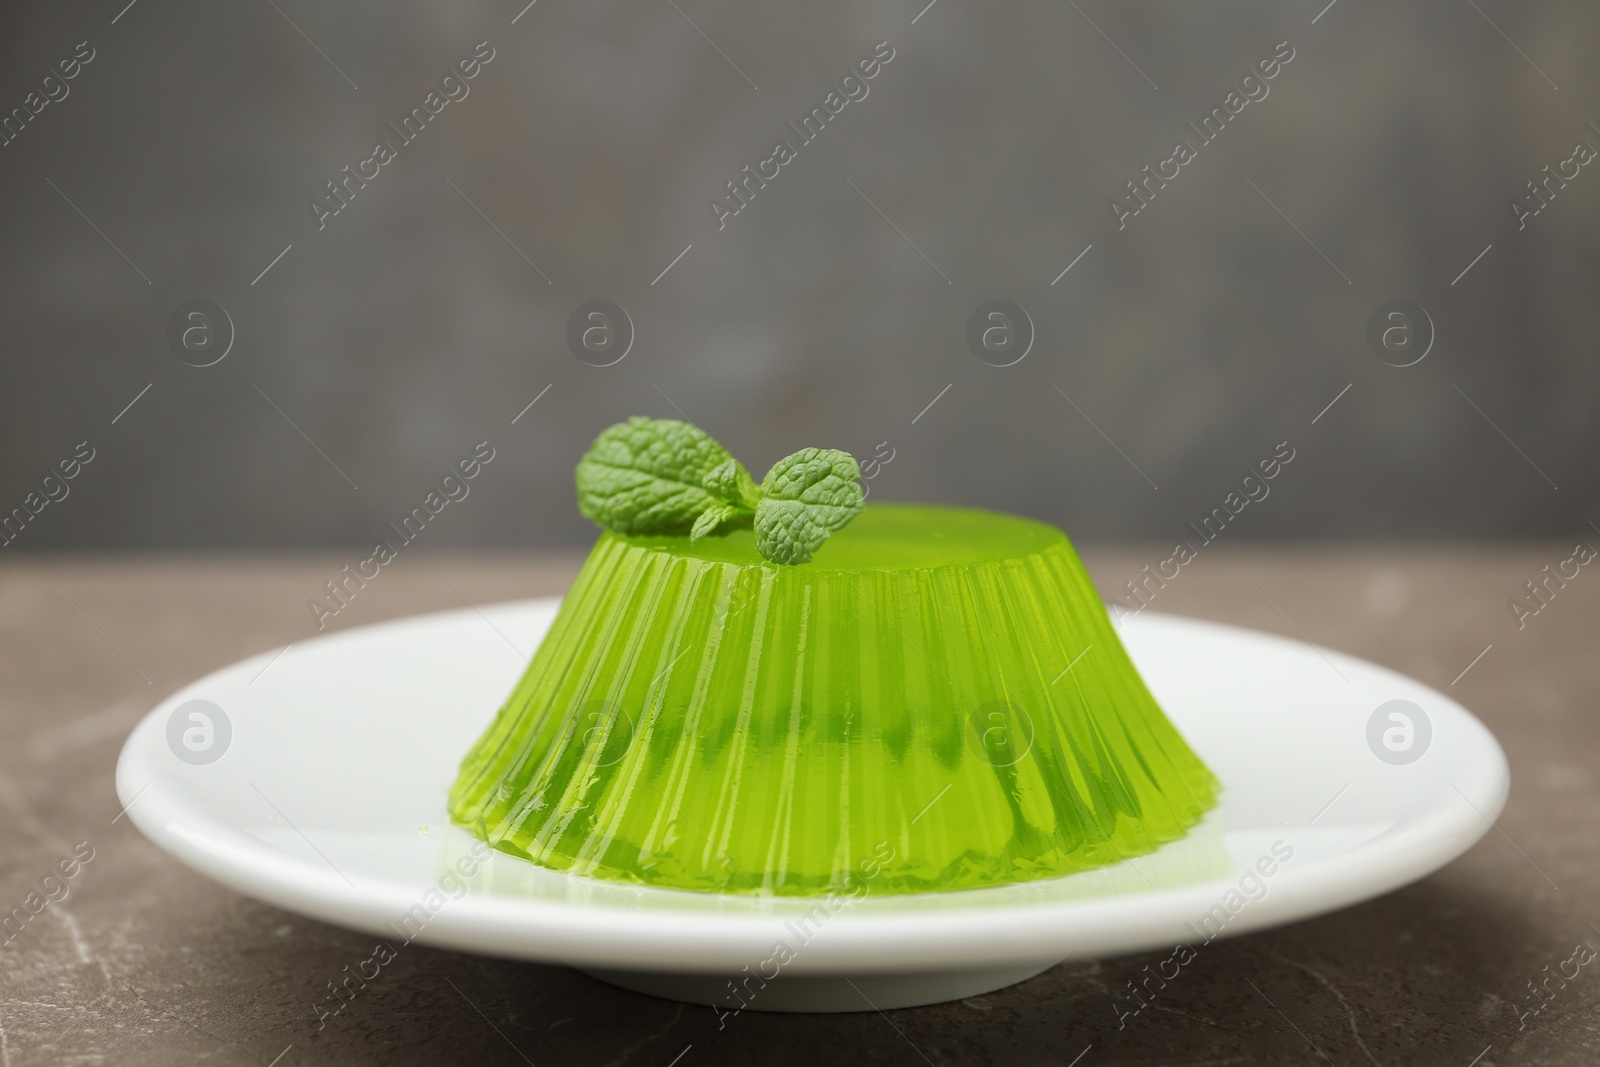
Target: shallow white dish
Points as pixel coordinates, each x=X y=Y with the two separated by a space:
x=328 y=799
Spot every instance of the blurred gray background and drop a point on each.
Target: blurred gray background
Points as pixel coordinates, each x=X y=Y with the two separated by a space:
x=1176 y=353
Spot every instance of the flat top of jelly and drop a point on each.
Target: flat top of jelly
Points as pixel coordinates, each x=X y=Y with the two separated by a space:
x=888 y=537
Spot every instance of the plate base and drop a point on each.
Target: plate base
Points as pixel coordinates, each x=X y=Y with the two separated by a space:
x=824 y=992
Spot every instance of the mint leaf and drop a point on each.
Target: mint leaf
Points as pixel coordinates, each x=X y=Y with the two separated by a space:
x=664 y=477
x=804 y=498
x=736 y=494
x=711 y=518
x=648 y=476
x=732 y=484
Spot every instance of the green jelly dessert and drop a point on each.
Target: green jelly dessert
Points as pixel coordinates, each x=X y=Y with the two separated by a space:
x=936 y=700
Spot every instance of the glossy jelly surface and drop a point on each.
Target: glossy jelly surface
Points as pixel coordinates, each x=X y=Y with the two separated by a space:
x=937 y=701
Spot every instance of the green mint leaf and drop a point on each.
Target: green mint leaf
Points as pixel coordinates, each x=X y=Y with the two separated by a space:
x=732 y=484
x=664 y=477
x=710 y=519
x=648 y=476
x=804 y=498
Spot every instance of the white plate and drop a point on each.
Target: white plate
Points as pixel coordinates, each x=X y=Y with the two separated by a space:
x=328 y=799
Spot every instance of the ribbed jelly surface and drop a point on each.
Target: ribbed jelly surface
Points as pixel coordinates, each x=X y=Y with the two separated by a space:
x=937 y=701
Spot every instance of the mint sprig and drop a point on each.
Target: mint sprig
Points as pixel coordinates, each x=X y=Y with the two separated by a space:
x=664 y=477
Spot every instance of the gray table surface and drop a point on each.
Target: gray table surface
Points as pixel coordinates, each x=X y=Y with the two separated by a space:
x=147 y=963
